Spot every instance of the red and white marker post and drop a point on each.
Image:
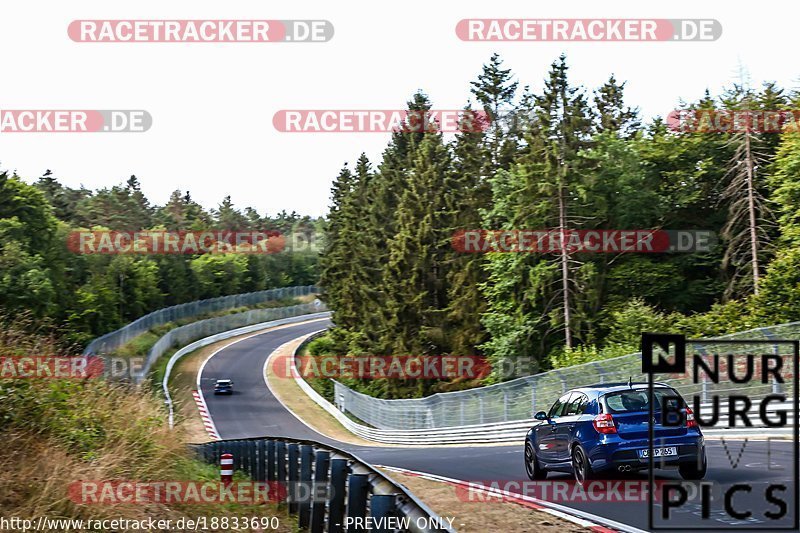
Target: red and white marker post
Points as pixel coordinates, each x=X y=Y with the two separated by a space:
x=226 y=468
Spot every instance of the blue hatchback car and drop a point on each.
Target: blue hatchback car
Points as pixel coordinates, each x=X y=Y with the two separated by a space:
x=605 y=428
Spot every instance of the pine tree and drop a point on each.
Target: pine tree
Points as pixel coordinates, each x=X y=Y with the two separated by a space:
x=138 y=206
x=564 y=116
x=228 y=218
x=415 y=294
x=613 y=115
x=472 y=196
x=746 y=230
x=364 y=274
x=63 y=199
x=335 y=258
x=531 y=296
x=495 y=92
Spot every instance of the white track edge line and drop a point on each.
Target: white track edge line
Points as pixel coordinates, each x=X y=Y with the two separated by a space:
x=215 y=352
x=266 y=382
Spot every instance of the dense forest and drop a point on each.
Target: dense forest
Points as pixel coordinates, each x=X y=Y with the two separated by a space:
x=570 y=158
x=81 y=296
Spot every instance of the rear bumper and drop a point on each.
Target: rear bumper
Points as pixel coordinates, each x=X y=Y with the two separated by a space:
x=624 y=455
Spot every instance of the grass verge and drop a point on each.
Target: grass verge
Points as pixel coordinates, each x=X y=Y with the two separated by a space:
x=58 y=433
x=286 y=389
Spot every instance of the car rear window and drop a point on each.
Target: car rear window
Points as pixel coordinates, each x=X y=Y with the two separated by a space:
x=635 y=400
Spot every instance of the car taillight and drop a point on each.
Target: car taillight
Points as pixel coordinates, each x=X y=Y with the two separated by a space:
x=604 y=424
x=690 y=421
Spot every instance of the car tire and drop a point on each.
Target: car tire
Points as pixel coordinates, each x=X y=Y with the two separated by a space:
x=690 y=471
x=532 y=468
x=581 y=468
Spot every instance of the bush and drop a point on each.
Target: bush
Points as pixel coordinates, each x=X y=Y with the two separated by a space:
x=587 y=353
x=779 y=298
x=626 y=324
x=721 y=319
x=321 y=346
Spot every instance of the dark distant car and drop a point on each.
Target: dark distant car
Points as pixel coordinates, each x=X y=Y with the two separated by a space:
x=223 y=386
x=606 y=427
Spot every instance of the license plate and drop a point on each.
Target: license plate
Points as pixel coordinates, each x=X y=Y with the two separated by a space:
x=660 y=452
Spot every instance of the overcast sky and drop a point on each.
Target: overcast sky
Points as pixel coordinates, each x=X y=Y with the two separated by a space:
x=212 y=104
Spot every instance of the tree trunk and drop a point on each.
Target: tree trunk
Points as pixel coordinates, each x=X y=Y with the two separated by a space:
x=751 y=206
x=562 y=229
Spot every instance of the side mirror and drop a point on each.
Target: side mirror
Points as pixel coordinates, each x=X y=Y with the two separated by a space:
x=541 y=415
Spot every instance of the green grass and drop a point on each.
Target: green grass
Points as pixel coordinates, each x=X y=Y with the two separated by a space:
x=58 y=432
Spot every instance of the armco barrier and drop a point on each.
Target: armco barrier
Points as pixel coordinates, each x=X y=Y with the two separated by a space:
x=496 y=432
x=211 y=326
x=519 y=399
x=485 y=433
x=115 y=339
x=325 y=485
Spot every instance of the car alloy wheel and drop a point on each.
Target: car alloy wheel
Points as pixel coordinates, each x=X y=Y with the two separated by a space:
x=580 y=465
x=530 y=466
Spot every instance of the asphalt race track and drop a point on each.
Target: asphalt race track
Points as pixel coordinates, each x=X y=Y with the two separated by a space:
x=253 y=411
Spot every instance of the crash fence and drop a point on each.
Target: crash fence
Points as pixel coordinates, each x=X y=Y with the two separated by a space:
x=519 y=399
x=104 y=347
x=112 y=341
x=201 y=329
x=327 y=488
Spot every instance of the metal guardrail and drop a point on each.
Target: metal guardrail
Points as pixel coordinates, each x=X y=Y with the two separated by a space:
x=325 y=485
x=114 y=340
x=499 y=432
x=183 y=335
x=519 y=399
x=484 y=433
